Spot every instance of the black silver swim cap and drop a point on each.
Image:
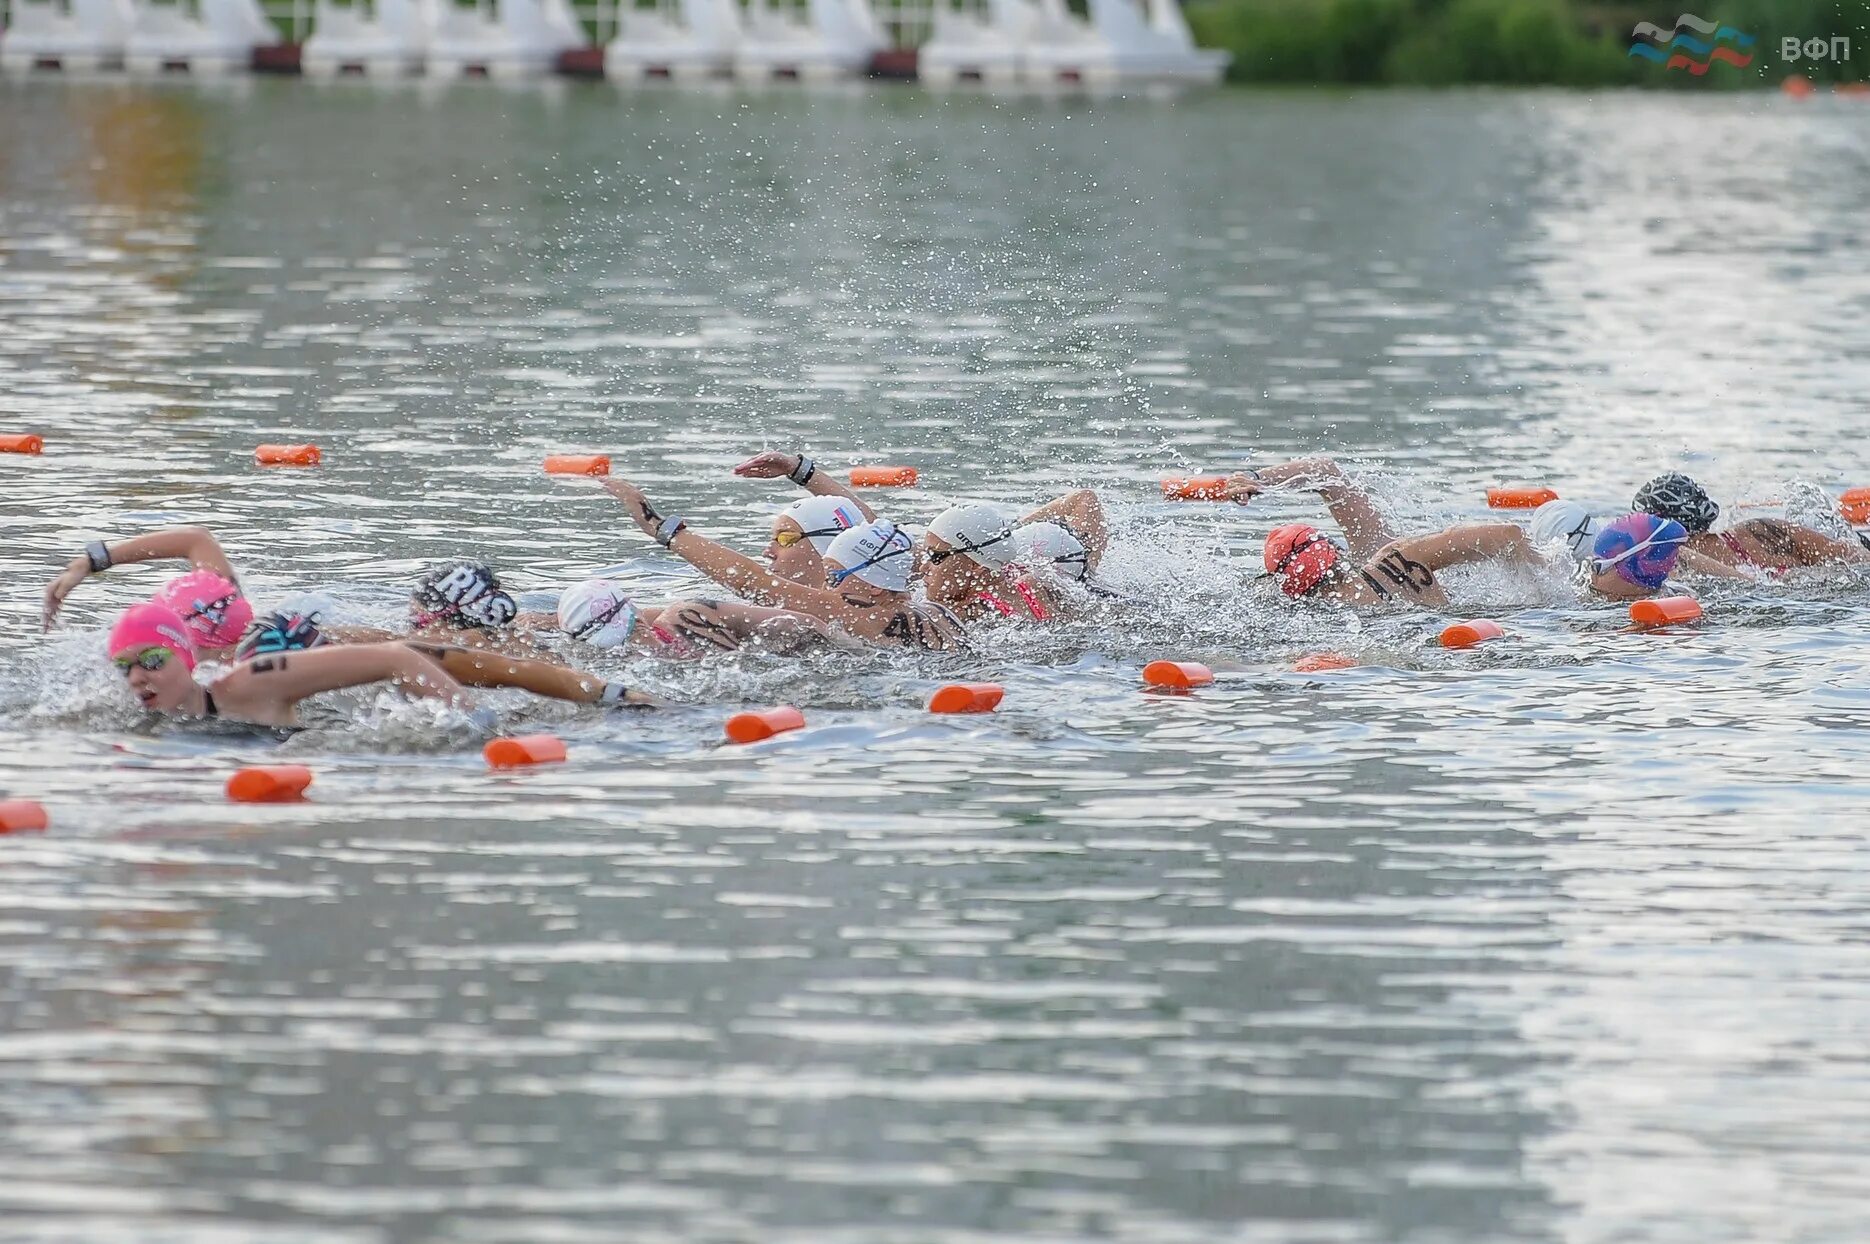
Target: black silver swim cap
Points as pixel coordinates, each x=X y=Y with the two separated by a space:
x=464 y=594
x=1676 y=496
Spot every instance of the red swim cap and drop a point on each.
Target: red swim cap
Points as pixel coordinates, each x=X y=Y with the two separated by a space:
x=1300 y=557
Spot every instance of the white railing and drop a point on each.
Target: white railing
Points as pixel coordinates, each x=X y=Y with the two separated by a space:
x=907 y=22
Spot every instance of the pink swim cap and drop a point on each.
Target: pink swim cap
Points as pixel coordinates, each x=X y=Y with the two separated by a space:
x=151 y=626
x=211 y=606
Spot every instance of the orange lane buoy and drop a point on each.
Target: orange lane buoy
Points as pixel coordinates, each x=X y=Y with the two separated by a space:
x=1473 y=631
x=883 y=477
x=19 y=816
x=288 y=455
x=1665 y=610
x=1797 y=87
x=764 y=724
x=967 y=697
x=577 y=464
x=1194 y=488
x=1855 y=505
x=1526 y=498
x=526 y=749
x=22 y=443
x=269 y=784
x=1180 y=675
x=1319 y=662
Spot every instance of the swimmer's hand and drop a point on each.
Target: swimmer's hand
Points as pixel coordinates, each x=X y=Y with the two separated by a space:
x=61 y=588
x=1241 y=489
x=634 y=501
x=769 y=465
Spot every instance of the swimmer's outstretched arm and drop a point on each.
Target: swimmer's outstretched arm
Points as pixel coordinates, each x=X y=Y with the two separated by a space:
x=196 y=544
x=774 y=465
x=1364 y=526
x=270 y=685
x=738 y=574
x=481 y=668
x=1800 y=545
x=1470 y=542
x=1084 y=514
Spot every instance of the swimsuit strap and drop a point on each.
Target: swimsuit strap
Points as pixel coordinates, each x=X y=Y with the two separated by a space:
x=1032 y=600
x=1733 y=542
x=208 y=706
x=669 y=637
x=996 y=604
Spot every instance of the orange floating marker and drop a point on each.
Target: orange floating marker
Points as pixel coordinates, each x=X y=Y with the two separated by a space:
x=269 y=784
x=527 y=749
x=1177 y=674
x=1473 y=631
x=752 y=727
x=967 y=697
x=20 y=816
x=1798 y=88
x=577 y=464
x=1855 y=505
x=1319 y=662
x=22 y=443
x=1195 y=488
x=288 y=455
x=1519 y=498
x=883 y=477
x=1665 y=611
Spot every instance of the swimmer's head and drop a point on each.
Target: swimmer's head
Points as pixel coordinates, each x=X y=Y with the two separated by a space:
x=210 y=606
x=880 y=554
x=1637 y=551
x=1567 y=521
x=597 y=612
x=151 y=646
x=462 y=594
x=1048 y=545
x=804 y=530
x=1302 y=558
x=1675 y=496
x=279 y=632
x=978 y=533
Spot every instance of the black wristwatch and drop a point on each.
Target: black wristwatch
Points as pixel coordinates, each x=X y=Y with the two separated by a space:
x=99 y=553
x=802 y=473
x=670 y=525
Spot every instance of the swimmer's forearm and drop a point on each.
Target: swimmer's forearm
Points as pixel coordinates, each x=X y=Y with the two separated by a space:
x=1702 y=564
x=745 y=577
x=196 y=544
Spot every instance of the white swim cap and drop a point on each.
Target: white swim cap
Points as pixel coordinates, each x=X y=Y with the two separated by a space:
x=1048 y=544
x=879 y=553
x=597 y=611
x=823 y=518
x=979 y=532
x=1567 y=521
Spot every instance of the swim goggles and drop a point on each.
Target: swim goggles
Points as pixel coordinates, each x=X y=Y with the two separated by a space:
x=894 y=550
x=1601 y=564
x=599 y=621
x=149 y=658
x=937 y=556
x=786 y=539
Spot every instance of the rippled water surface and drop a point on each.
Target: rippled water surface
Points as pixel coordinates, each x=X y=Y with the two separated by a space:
x=1562 y=939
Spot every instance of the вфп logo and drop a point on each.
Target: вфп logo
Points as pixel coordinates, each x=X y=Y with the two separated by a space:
x=1673 y=49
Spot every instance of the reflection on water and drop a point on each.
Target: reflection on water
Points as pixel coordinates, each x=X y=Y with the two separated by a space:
x=1554 y=940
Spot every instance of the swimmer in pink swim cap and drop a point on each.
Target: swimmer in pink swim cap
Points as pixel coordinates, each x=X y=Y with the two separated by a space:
x=207 y=598
x=151 y=646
